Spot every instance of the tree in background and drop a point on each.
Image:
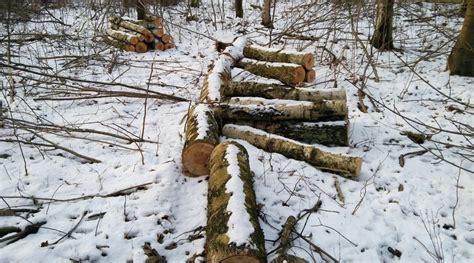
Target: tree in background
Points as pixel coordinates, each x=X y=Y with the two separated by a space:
x=461 y=59
x=141 y=9
x=194 y=3
x=266 y=17
x=239 y=10
x=382 y=38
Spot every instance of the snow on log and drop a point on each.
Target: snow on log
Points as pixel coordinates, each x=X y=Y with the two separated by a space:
x=119 y=44
x=211 y=90
x=278 y=55
x=118 y=21
x=233 y=231
x=347 y=166
x=326 y=133
x=123 y=36
x=249 y=108
x=287 y=73
x=139 y=36
x=278 y=91
x=202 y=135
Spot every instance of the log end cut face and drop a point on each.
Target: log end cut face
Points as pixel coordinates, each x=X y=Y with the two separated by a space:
x=240 y=259
x=308 y=61
x=196 y=158
x=310 y=75
x=299 y=75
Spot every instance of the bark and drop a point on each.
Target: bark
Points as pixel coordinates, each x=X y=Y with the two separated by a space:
x=266 y=17
x=202 y=135
x=239 y=10
x=286 y=238
x=220 y=245
x=141 y=9
x=276 y=91
x=119 y=44
x=347 y=166
x=287 y=73
x=382 y=38
x=461 y=59
x=278 y=55
x=123 y=36
x=325 y=133
x=133 y=27
x=139 y=36
x=240 y=109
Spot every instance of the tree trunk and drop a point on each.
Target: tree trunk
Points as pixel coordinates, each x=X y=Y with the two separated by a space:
x=253 y=109
x=287 y=73
x=278 y=55
x=239 y=10
x=233 y=231
x=266 y=17
x=461 y=59
x=336 y=163
x=276 y=91
x=325 y=133
x=202 y=135
x=123 y=36
x=141 y=9
x=119 y=44
x=194 y=3
x=382 y=38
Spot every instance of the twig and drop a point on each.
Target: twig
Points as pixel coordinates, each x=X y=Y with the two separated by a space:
x=68 y=234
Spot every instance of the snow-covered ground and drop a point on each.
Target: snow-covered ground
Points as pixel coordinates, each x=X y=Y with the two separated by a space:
x=420 y=205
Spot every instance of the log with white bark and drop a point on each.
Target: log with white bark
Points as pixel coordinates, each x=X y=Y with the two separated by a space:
x=119 y=44
x=211 y=89
x=287 y=73
x=123 y=36
x=139 y=36
x=333 y=133
x=202 y=135
x=249 y=108
x=277 y=91
x=344 y=165
x=279 y=55
x=233 y=233
x=133 y=27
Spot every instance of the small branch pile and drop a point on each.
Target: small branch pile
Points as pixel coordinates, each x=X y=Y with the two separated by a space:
x=138 y=35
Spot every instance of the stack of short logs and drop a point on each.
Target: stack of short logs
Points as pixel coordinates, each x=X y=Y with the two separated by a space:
x=277 y=118
x=138 y=35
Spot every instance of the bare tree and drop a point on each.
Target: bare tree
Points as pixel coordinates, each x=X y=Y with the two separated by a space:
x=266 y=17
x=382 y=38
x=239 y=10
x=141 y=10
x=194 y=3
x=461 y=59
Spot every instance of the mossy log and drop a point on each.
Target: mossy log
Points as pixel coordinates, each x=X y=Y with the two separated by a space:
x=202 y=135
x=133 y=27
x=119 y=44
x=347 y=166
x=123 y=36
x=233 y=231
x=278 y=55
x=325 y=133
x=211 y=89
x=253 y=109
x=287 y=73
x=278 y=91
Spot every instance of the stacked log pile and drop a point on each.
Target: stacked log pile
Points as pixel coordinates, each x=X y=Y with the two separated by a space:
x=138 y=35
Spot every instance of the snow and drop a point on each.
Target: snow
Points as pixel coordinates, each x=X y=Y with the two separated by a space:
x=201 y=111
x=388 y=206
x=239 y=226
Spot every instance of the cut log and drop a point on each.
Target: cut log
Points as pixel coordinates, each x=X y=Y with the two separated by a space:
x=310 y=76
x=133 y=27
x=285 y=72
x=277 y=91
x=202 y=135
x=123 y=36
x=169 y=45
x=233 y=231
x=325 y=133
x=157 y=44
x=245 y=108
x=347 y=166
x=211 y=89
x=135 y=34
x=141 y=47
x=119 y=44
x=278 y=55
x=166 y=38
x=159 y=31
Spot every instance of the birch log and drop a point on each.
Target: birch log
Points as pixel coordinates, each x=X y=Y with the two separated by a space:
x=278 y=55
x=139 y=36
x=202 y=135
x=326 y=133
x=133 y=27
x=119 y=44
x=233 y=231
x=336 y=163
x=277 y=91
x=287 y=73
x=123 y=36
x=275 y=110
x=141 y=47
x=310 y=76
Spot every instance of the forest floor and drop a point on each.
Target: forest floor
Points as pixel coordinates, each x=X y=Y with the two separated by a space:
x=411 y=203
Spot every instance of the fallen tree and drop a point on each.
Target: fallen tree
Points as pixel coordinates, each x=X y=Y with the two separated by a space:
x=279 y=55
x=336 y=163
x=287 y=73
x=233 y=231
